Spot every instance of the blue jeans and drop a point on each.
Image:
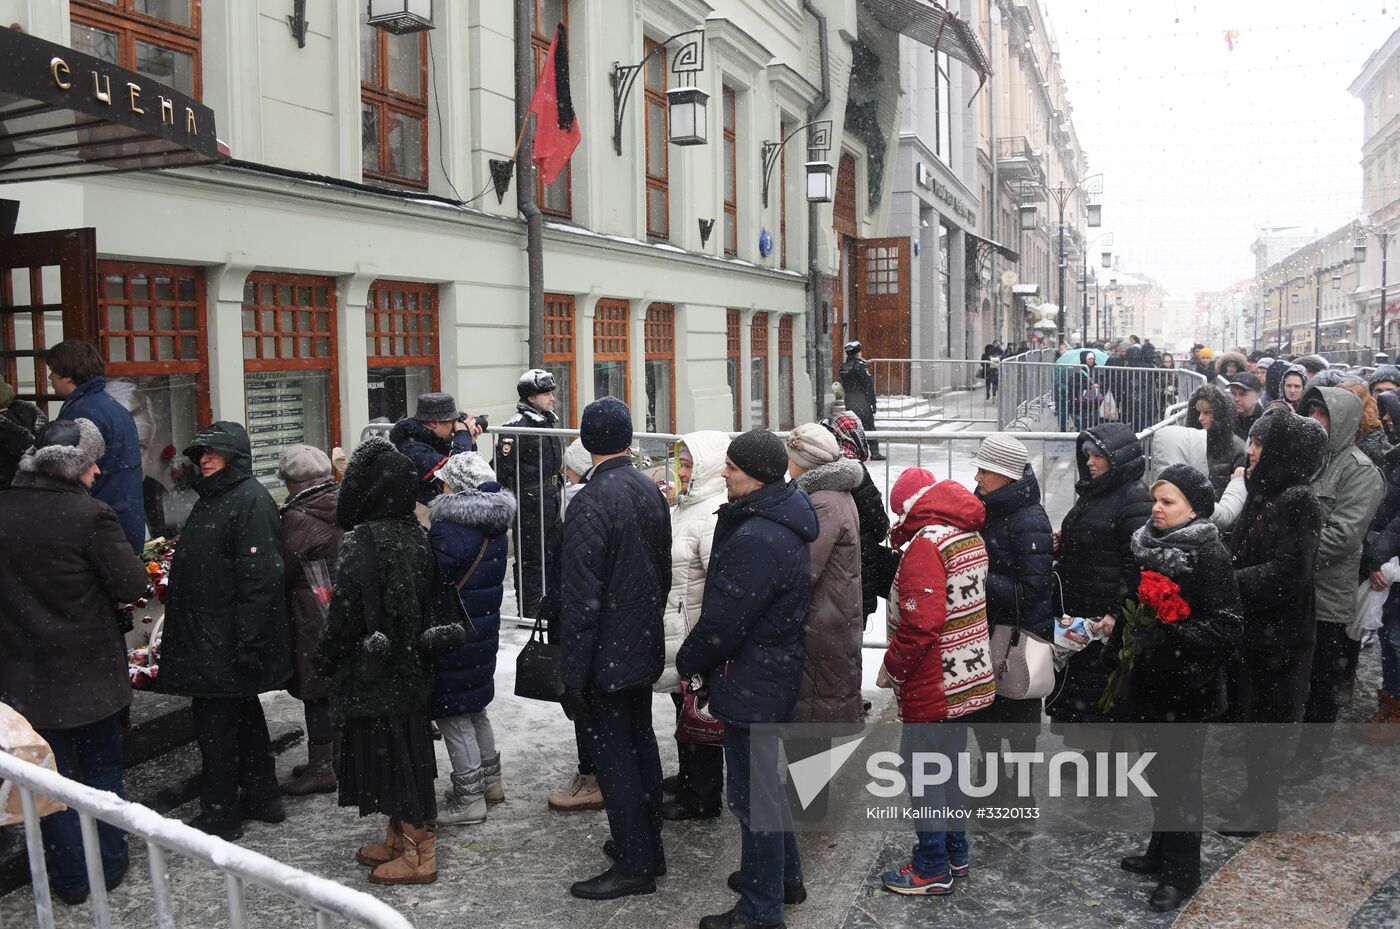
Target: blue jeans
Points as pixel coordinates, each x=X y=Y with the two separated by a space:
x=766 y=859
x=937 y=843
x=90 y=755
x=1390 y=652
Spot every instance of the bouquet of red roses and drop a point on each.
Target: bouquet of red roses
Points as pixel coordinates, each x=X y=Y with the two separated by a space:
x=1159 y=600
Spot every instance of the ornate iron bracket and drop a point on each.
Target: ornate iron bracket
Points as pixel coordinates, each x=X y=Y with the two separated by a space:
x=688 y=60
x=818 y=141
x=297 y=21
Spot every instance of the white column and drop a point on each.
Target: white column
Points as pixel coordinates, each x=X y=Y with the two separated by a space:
x=636 y=362
x=224 y=310
x=352 y=293
x=585 y=309
x=746 y=368
x=774 y=406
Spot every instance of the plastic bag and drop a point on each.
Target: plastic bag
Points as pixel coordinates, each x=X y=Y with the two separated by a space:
x=318 y=575
x=1108 y=409
x=1369 y=603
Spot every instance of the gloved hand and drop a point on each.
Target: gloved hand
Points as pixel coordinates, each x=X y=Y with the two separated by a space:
x=700 y=688
x=578 y=704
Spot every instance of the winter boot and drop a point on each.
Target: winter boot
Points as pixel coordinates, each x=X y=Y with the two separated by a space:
x=468 y=804
x=417 y=865
x=583 y=793
x=319 y=776
x=491 y=768
x=388 y=850
x=1387 y=712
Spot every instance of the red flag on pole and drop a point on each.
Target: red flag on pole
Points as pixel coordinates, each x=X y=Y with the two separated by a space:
x=557 y=131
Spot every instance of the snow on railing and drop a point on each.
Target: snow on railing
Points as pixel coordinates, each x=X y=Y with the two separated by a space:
x=324 y=898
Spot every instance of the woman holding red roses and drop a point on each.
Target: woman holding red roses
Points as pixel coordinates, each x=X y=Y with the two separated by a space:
x=1171 y=666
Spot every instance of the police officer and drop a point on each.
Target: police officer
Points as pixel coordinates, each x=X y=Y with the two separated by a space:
x=859 y=388
x=531 y=466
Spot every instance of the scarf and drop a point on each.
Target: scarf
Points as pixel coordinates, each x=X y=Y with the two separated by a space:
x=1173 y=552
x=850 y=435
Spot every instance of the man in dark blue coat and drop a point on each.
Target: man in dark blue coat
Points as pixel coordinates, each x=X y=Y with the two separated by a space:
x=76 y=372
x=614 y=578
x=436 y=431
x=758 y=590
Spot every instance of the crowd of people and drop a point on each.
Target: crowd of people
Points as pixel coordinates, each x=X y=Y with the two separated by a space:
x=740 y=584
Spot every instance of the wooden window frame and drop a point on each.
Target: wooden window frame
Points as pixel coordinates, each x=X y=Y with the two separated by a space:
x=539 y=43
x=787 y=418
x=198 y=365
x=559 y=334
x=731 y=156
x=783 y=132
x=381 y=323
x=735 y=352
x=121 y=17
x=656 y=97
x=329 y=363
x=758 y=352
x=659 y=335
x=612 y=323
x=386 y=101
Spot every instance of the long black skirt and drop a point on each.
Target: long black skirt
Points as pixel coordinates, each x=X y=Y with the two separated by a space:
x=388 y=765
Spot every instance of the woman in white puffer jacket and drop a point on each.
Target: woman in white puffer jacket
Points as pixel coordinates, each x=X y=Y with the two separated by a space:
x=698 y=462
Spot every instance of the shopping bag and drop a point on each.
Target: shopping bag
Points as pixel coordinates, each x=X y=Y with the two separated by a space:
x=696 y=726
x=1108 y=409
x=537 y=672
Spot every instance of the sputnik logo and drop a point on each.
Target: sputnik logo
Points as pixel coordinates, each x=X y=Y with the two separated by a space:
x=810 y=775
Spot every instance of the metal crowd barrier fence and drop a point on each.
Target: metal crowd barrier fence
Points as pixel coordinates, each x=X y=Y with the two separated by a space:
x=1048 y=396
x=324 y=899
x=1024 y=389
x=922 y=393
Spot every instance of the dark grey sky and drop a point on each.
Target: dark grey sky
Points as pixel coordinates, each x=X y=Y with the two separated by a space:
x=1200 y=144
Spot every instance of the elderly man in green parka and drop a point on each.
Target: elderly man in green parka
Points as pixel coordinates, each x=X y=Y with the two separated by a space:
x=225 y=638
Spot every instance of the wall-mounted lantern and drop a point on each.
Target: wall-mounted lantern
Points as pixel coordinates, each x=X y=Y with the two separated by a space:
x=401 y=17
x=1027 y=217
x=1095 y=215
x=688 y=105
x=820 y=188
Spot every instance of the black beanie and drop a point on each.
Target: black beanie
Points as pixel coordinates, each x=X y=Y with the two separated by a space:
x=1194 y=486
x=606 y=427
x=760 y=454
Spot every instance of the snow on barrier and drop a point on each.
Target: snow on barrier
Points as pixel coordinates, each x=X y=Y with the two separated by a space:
x=323 y=898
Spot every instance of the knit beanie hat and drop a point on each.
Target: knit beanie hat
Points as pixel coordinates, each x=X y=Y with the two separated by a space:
x=1001 y=454
x=760 y=454
x=577 y=459
x=1194 y=486
x=465 y=471
x=64 y=448
x=436 y=407
x=302 y=464
x=606 y=427
x=7 y=394
x=811 y=446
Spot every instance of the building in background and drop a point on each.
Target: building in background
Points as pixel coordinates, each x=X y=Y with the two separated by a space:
x=1225 y=318
x=1271 y=246
x=1375 y=87
x=1311 y=297
x=1134 y=305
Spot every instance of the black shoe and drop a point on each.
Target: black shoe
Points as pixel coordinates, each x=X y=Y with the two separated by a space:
x=733 y=920
x=115 y=880
x=1240 y=833
x=876 y=456
x=671 y=785
x=610 y=886
x=1141 y=864
x=611 y=851
x=1167 y=898
x=675 y=809
x=1302 y=770
x=70 y=897
x=229 y=833
x=270 y=811
x=793 y=891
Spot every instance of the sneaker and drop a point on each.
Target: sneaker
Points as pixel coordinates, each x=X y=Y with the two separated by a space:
x=959 y=865
x=582 y=793
x=907 y=881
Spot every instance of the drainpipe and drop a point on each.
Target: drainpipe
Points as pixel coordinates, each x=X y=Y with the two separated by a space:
x=525 y=179
x=818 y=359
x=998 y=319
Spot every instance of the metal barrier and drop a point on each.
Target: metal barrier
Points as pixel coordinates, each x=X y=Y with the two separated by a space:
x=922 y=393
x=325 y=899
x=1048 y=396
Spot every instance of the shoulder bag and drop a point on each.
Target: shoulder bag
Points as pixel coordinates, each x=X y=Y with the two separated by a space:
x=1025 y=668
x=537 y=672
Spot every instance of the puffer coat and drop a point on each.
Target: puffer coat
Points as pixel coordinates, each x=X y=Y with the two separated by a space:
x=692 y=537
x=309 y=535
x=1094 y=566
x=1020 y=557
x=831 y=677
x=465 y=525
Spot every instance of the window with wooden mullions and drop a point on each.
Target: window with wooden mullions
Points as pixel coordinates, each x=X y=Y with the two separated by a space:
x=758 y=363
x=559 y=353
x=611 y=368
x=731 y=173
x=401 y=341
x=394 y=106
x=733 y=356
x=157 y=38
x=658 y=182
x=661 y=367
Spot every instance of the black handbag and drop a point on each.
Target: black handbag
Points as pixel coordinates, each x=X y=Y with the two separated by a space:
x=537 y=672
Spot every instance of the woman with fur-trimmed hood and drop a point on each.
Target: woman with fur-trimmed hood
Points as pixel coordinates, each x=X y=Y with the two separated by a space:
x=1211 y=409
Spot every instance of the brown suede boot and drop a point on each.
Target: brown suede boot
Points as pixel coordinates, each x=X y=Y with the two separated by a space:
x=386 y=851
x=1387 y=712
x=418 y=864
x=583 y=793
x=319 y=776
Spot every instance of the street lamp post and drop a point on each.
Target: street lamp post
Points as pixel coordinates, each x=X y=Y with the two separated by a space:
x=1062 y=195
x=1107 y=239
x=1359 y=252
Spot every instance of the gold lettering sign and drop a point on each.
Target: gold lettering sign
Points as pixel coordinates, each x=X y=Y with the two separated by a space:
x=190 y=125
x=99 y=82
x=133 y=93
x=59 y=69
x=167 y=111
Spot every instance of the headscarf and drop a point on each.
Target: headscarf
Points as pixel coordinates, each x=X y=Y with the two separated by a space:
x=850 y=435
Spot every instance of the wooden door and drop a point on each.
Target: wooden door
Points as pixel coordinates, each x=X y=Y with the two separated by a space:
x=882 y=297
x=48 y=292
x=845 y=228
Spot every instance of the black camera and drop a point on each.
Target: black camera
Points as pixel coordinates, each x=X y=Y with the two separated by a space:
x=480 y=418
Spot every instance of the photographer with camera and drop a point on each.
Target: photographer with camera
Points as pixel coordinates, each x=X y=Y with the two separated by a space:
x=532 y=466
x=436 y=431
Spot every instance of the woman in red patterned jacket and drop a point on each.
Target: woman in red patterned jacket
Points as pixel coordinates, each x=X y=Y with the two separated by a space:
x=938 y=658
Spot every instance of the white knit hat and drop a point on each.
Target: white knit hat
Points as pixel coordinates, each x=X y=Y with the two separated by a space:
x=465 y=471
x=577 y=458
x=1001 y=454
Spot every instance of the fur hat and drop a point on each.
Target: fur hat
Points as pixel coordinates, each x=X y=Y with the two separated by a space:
x=1194 y=486
x=379 y=483
x=302 y=464
x=534 y=382
x=811 y=446
x=606 y=427
x=436 y=407
x=465 y=471
x=64 y=448
x=577 y=459
x=760 y=454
